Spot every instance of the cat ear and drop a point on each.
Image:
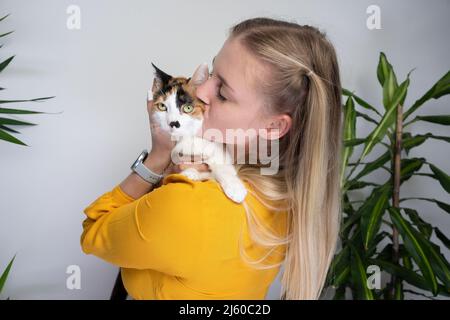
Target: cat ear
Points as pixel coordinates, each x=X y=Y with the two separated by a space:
x=200 y=75
x=161 y=79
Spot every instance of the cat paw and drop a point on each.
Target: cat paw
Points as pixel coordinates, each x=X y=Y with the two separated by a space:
x=235 y=190
x=191 y=173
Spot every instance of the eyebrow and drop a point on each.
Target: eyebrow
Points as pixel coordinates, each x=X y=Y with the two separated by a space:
x=221 y=78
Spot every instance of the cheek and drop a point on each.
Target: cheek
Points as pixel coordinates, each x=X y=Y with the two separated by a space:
x=221 y=124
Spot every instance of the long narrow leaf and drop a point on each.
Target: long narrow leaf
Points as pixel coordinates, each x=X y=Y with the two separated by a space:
x=413 y=141
x=439 y=89
x=349 y=133
x=5 y=63
x=444 y=206
x=414 y=247
x=409 y=167
x=388 y=119
x=389 y=87
x=441 y=236
x=406 y=274
x=18 y=111
x=359 y=276
x=373 y=165
x=424 y=227
x=4 y=17
x=383 y=68
x=29 y=100
x=360 y=101
x=441 y=176
x=438 y=119
x=372 y=211
x=8 y=129
x=5 y=274
x=7 y=137
x=15 y=122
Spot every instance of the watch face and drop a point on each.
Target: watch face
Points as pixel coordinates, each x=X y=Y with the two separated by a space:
x=141 y=158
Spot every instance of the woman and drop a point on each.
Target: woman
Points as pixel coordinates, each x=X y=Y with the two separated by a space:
x=185 y=239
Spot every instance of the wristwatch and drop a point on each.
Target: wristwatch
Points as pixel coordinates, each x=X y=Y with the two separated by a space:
x=144 y=172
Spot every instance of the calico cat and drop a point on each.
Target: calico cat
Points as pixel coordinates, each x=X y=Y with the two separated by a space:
x=180 y=113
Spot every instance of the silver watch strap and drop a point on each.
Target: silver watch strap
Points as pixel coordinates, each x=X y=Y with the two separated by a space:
x=147 y=174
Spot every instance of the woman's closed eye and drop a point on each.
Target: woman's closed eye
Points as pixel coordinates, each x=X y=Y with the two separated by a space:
x=218 y=95
x=221 y=97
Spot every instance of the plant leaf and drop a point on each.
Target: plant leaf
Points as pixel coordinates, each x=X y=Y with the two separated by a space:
x=5 y=34
x=371 y=166
x=350 y=128
x=406 y=274
x=415 y=248
x=441 y=176
x=354 y=142
x=29 y=100
x=339 y=269
x=441 y=236
x=388 y=118
x=15 y=122
x=383 y=68
x=371 y=212
x=424 y=227
x=410 y=142
x=366 y=117
x=5 y=274
x=8 y=129
x=389 y=87
x=439 y=89
x=353 y=185
x=5 y=63
x=409 y=167
x=440 y=265
x=7 y=137
x=360 y=101
x=359 y=276
x=4 y=17
x=17 y=111
x=439 y=119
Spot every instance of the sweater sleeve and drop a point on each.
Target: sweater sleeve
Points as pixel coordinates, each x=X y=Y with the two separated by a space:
x=159 y=231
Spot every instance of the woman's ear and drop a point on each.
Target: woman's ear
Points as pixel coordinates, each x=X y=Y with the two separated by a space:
x=278 y=126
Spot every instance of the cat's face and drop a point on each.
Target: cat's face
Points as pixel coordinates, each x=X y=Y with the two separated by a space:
x=175 y=106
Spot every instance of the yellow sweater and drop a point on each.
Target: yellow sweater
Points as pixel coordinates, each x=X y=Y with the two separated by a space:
x=180 y=241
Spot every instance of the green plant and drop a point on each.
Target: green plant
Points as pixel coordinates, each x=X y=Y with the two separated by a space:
x=5 y=124
x=5 y=274
x=382 y=230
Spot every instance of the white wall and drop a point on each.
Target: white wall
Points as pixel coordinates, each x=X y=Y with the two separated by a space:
x=100 y=75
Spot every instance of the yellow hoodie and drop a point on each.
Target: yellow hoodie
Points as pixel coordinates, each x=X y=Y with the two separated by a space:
x=180 y=241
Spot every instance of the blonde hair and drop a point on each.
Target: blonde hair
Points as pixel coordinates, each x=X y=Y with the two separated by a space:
x=304 y=83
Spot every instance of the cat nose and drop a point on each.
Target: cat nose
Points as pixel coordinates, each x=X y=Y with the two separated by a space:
x=174 y=124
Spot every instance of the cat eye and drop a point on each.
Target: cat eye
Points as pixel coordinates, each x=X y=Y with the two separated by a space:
x=187 y=108
x=161 y=107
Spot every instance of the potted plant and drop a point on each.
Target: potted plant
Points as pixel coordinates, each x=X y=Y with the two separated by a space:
x=383 y=230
